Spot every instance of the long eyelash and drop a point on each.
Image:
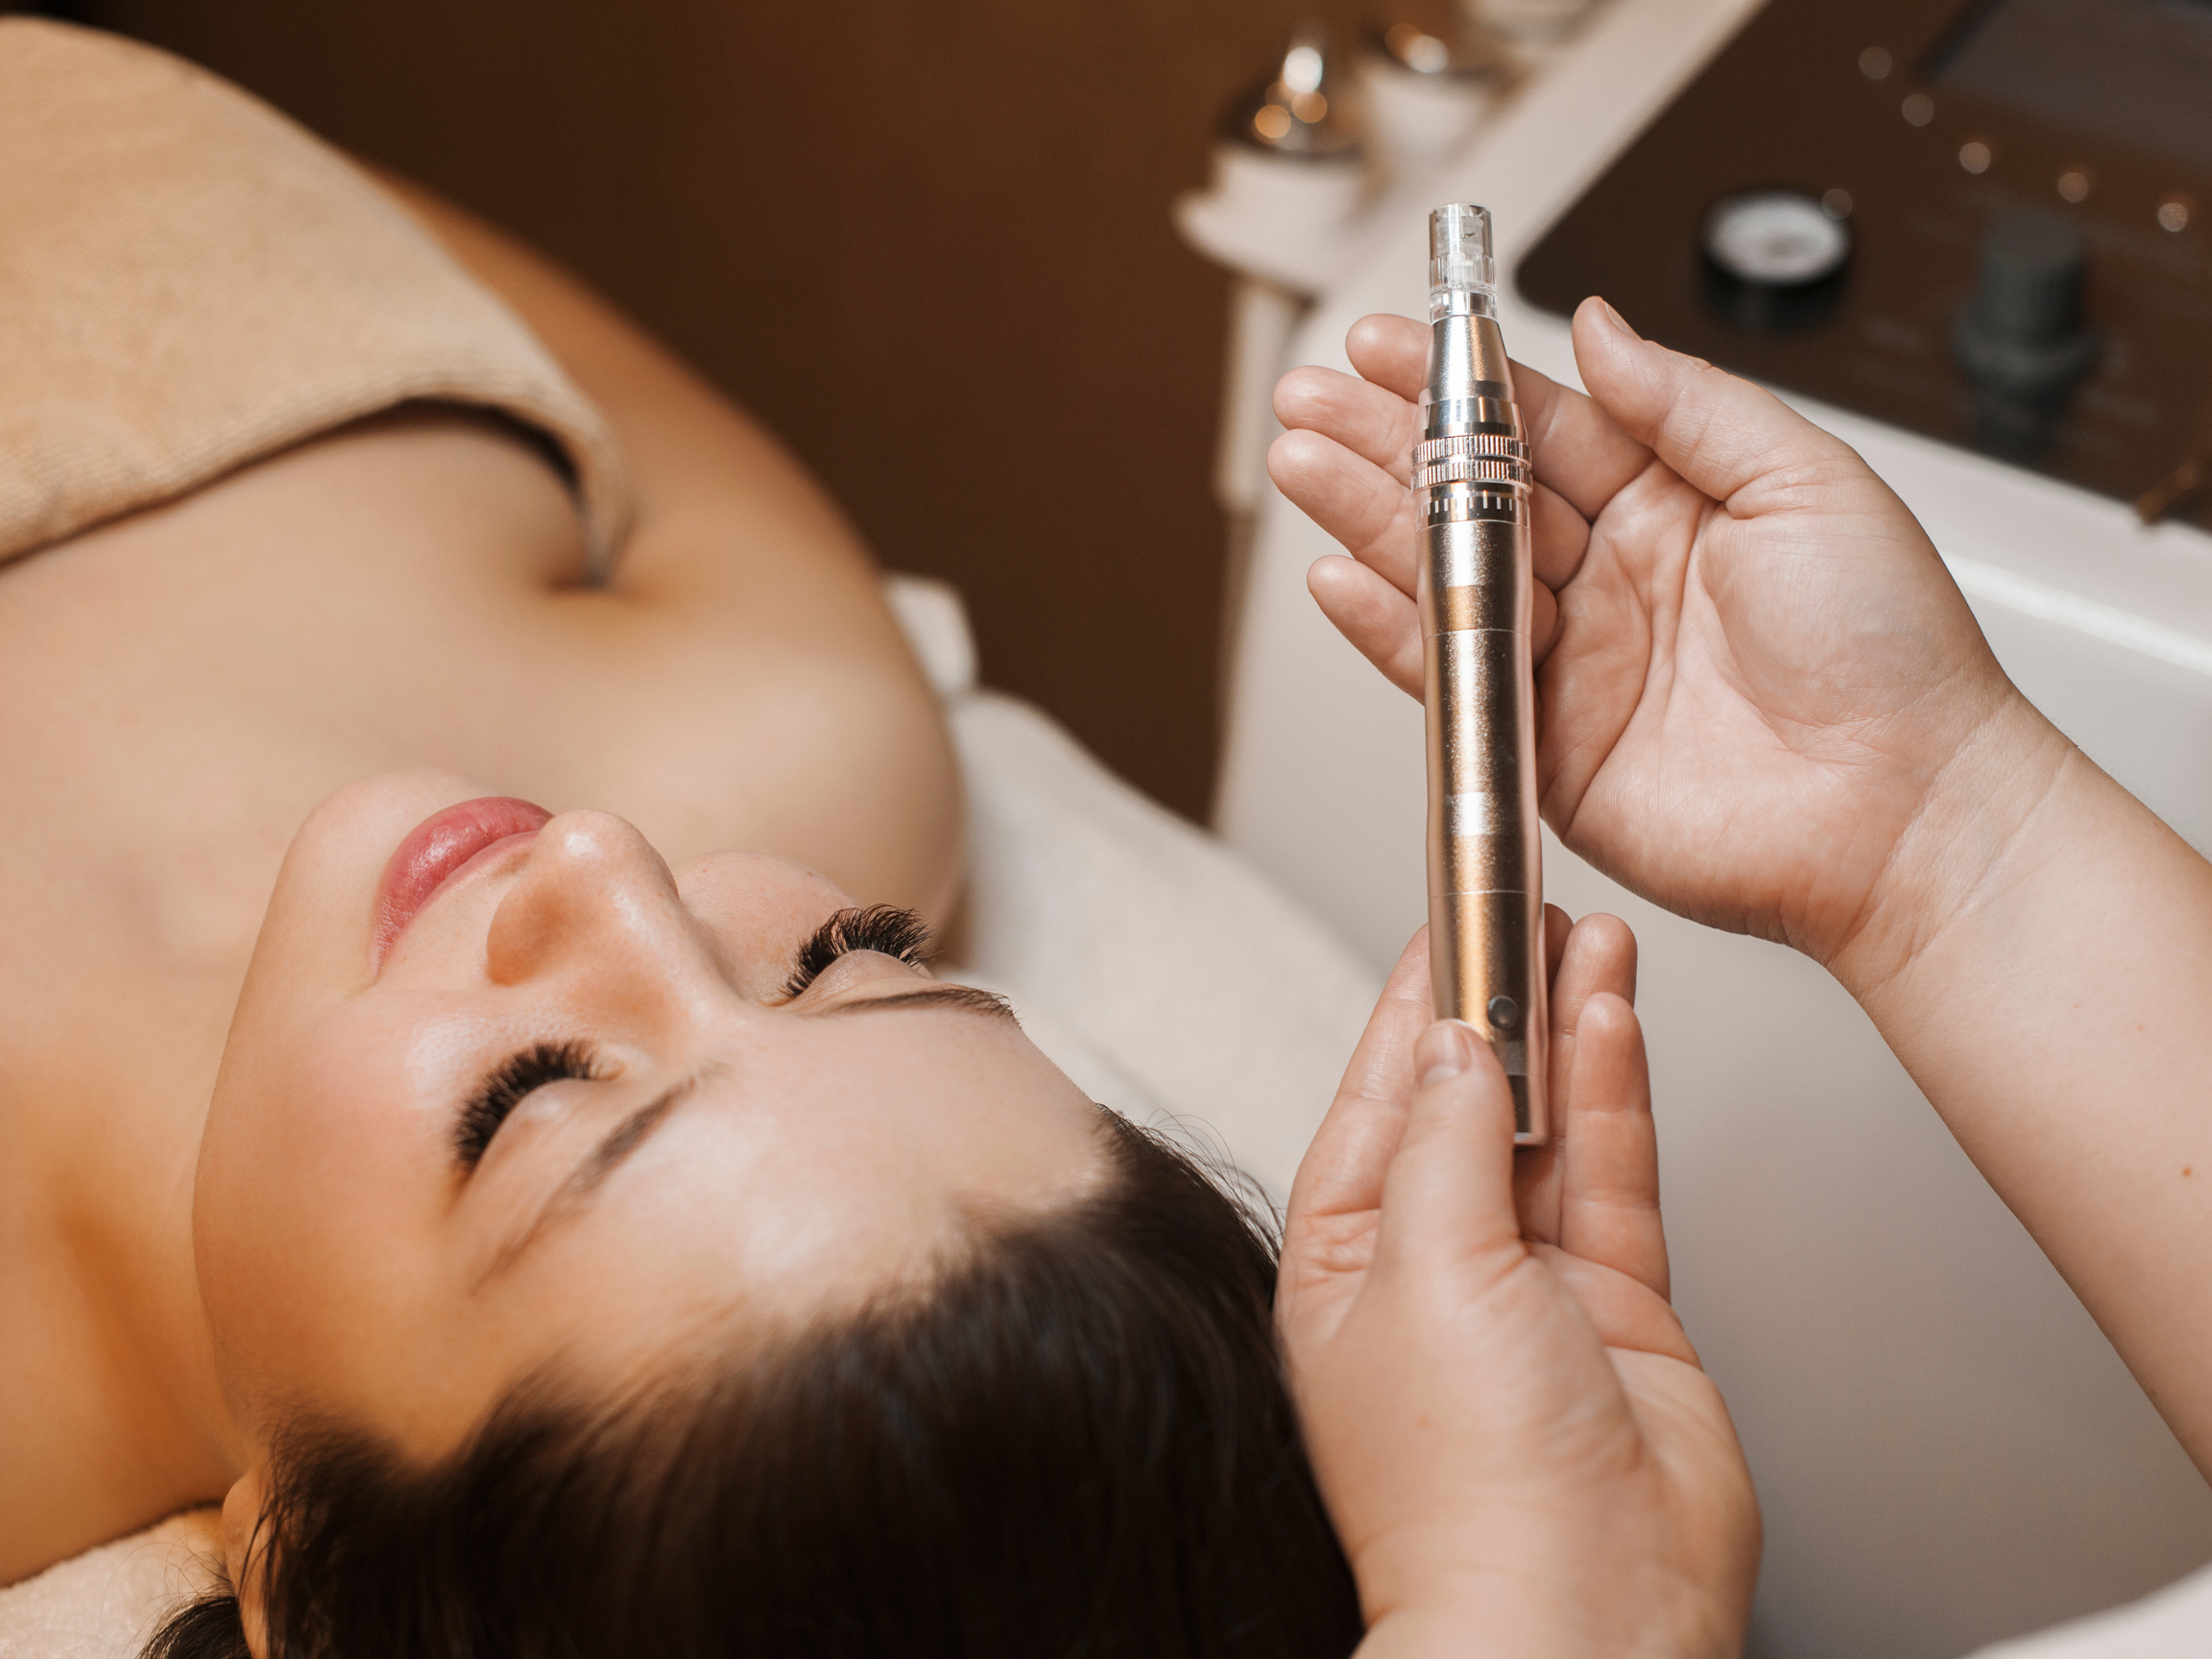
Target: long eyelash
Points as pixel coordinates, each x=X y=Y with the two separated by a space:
x=506 y=1085
x=885 y=928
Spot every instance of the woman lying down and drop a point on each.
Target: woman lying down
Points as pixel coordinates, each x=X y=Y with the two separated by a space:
x=477 y=1107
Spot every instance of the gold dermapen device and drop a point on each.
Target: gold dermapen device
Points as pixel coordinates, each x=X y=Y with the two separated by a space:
x=1471 y=485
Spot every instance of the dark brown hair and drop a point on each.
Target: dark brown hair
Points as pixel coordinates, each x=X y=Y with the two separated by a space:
x=1076 y=1442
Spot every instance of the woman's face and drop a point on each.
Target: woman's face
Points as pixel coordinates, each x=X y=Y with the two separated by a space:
x=407 y=1197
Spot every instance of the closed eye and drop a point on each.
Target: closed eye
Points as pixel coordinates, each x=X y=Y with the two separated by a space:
x=506 y=1085
x=884 y=927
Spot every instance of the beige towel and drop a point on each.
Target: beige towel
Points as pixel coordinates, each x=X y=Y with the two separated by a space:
x=104 y=1604
x=189 y=281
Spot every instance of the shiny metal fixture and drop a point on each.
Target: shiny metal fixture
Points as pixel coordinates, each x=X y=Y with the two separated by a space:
x=1471 y=483
x=1297 y=113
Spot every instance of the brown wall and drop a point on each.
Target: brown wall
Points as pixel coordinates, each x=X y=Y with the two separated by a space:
x=963 y=204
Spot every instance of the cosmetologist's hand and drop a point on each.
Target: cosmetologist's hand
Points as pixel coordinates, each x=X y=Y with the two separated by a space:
x=1512 y=1434
x=1763 y=699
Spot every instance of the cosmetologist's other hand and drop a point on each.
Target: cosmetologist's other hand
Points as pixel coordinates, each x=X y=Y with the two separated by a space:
x=1511 y=1432
x=1763 y=703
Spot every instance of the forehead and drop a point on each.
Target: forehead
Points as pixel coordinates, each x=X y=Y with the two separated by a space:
x=799 y=1174
x=897 y=1113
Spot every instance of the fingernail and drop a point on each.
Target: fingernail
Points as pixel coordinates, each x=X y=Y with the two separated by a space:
x=1444 y=1050
x=1611 y=319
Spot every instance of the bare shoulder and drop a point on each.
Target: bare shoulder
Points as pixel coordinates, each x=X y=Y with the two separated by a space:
x=745 y=621
x=697 y=461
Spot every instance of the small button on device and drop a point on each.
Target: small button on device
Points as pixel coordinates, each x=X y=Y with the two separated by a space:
x=1504 y=1013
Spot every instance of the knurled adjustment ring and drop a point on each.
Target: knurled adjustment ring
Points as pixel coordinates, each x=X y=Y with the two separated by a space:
x=1471 y=458
x=1495 y=444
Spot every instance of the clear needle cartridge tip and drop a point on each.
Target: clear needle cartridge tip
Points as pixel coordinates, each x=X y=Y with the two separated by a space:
x=1462 y=279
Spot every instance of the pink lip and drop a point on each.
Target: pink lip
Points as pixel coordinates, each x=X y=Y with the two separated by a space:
x=436 y=850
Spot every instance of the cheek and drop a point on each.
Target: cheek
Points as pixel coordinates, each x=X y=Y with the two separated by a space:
x=319 y=1186
x=753 y=909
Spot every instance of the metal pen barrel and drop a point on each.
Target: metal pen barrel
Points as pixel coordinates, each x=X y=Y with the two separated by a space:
x=1471 y=483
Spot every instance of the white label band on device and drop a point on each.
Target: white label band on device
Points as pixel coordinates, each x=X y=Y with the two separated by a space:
x=1459 y=567
x=1473 y=815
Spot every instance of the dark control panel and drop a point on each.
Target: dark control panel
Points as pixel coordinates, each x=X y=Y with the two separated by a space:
x=1988 y=222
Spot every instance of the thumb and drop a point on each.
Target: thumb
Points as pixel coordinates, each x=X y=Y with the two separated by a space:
x=1719 y=433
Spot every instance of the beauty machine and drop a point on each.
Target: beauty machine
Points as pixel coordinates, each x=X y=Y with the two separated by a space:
x=1985 y=220
x=1471 y=500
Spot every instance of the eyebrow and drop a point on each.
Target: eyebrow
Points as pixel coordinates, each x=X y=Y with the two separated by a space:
x=591 y=1172
x=966 y=998
x=615 y=1147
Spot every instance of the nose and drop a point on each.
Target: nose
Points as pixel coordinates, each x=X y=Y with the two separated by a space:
x=595 y=901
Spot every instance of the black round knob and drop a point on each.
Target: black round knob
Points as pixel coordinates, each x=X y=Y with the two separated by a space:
x=2033 y=268
x=2023 y=332
x=1505 y=1013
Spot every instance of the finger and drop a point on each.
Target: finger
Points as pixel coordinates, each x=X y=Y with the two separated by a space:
x=1392 y=352
x=1365 y=509
x=1449 y=1186
x=1560 y=534
x=1380 y=422
x=1597 y=954
x=1621 y=1310
x=1535 y=1183
x=1343 y=1170
x=1382 y=426
x=1543 y=632
x=1719 y=433
x=1576 y=447
x=1374 y=616
x=1609 y=1171
x=1375 y=424
x=1599 y=957
x=1385 y=625
x=1579 y=450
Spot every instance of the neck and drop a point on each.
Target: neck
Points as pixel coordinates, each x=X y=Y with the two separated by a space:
x=122 y=1419
x=148 y=1277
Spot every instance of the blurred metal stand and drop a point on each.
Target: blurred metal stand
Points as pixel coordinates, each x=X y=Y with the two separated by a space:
x=1290 y=177
x=1423 y=94
x=1531 y=24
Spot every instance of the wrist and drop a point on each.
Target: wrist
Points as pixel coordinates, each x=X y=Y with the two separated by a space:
x=1569 y=1582
x=1965 y=845
x=1532 y=1621
x=1509 y=1622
